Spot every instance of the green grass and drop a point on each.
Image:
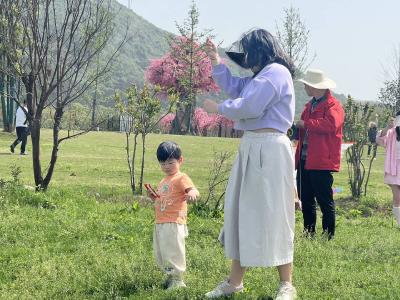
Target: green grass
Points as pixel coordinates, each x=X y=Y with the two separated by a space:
x=84 y=239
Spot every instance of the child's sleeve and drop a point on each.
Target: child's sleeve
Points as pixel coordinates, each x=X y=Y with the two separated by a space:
x=186 y=183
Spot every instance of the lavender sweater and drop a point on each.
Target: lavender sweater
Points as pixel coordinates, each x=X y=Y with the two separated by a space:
x=266 y=101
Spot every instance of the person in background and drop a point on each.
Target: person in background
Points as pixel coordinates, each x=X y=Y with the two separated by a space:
x=21 y=128
x=318 y=151
x=259 y=211
x=390 y=139
x=372 y=131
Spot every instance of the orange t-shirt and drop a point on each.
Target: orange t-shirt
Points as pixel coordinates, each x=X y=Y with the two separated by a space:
x=171 y=207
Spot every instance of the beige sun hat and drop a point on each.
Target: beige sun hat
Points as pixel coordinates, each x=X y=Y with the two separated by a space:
x=316 y=79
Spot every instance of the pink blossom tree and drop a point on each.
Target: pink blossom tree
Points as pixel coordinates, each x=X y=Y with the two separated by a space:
x=187 y=69
x=203 y=123
x=166 y=123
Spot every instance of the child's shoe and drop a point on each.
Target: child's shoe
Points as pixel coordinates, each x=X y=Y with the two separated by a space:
x=175 y=284
x=286 y=291
x=224 y=289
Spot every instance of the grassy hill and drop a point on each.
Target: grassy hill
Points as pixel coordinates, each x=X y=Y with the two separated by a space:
x=146 y=42
x=87 y=238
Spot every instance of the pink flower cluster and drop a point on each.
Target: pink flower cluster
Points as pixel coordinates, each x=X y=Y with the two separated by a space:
x=171 y=71
x=203 y=121
x=166 y=123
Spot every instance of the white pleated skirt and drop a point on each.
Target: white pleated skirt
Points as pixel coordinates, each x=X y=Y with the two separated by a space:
x=259 y=214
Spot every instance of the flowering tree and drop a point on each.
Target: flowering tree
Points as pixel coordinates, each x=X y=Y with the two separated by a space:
x=201 y=121
x=187 y=69
x=223 y=122
x=204 y=122
x=166 y=123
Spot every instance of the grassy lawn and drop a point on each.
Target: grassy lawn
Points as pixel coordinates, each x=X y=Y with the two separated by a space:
x=84 y=238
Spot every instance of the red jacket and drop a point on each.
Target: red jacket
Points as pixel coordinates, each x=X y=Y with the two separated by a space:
x=324 y=127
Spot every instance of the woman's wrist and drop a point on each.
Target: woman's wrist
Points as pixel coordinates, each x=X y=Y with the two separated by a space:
x=216 y=60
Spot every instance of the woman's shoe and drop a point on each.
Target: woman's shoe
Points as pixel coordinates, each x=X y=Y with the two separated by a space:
x=286 y=291
x=224 y=289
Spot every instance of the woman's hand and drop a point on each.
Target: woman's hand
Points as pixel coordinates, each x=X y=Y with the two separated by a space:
x=300 y=124
x=297 y=202
x=210 y=106
x=211 y=51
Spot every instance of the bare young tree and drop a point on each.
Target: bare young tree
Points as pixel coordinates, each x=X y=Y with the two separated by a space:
x=189 y=49
x=141 y=112
x=355 y=130
x=53 y=54
x=294 y=38
x=389 y=94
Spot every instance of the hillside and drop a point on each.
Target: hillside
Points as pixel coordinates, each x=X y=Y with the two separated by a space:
x=147 y=42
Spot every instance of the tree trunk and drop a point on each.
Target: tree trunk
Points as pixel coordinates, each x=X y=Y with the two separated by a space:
x=182 y=124
x=142 y=166
x=94 y=105
x=37 y=168
x=129 y=160
x=3 y=100
x=188 y=119
x=7 y=94
x=56 y=130
x=94 y=102
x=134 y=159
x=34 y=117
x=12 y=104
x=178 y=122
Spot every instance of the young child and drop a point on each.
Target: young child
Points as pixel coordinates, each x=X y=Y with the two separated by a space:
x=175 y=190
x=390 y=139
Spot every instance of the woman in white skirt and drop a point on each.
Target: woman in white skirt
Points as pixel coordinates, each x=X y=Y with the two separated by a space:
x=259 y=203
x=390 y=139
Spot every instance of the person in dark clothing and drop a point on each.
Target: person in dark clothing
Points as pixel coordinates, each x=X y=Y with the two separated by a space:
x=372 y=131
x=21 y=128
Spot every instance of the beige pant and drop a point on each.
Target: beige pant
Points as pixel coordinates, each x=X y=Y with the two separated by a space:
x=169 y=248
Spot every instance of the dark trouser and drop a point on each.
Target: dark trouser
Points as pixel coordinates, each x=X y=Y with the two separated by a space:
x=311 y=185
x=21 y=137
x=370 y=146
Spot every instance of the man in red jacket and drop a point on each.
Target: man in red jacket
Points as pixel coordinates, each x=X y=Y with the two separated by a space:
x=318 y=151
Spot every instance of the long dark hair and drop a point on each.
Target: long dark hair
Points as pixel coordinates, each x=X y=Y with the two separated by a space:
x=262 y=49
x=398 y=128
